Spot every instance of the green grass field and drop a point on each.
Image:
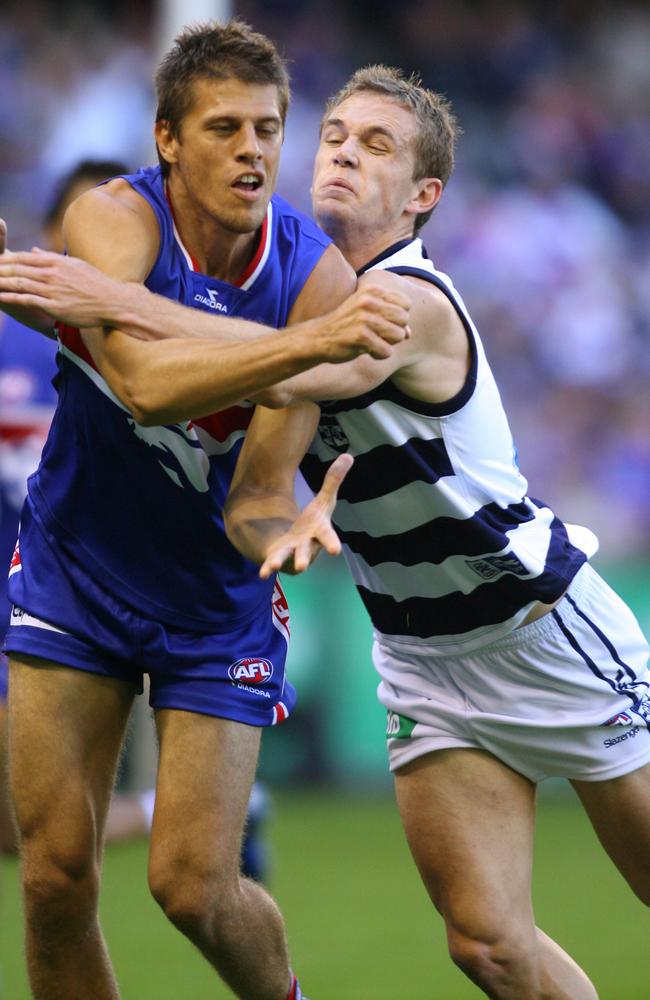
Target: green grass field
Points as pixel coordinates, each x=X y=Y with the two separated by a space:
x=359 y=923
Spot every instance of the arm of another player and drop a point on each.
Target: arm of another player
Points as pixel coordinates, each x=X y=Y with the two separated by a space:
x=360 y=374
x=173 y=380
x=431 y=364
x=261 y=515
x=81 y=295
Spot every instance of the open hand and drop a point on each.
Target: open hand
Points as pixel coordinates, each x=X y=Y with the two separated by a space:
x=296 y=550
x=64 y=287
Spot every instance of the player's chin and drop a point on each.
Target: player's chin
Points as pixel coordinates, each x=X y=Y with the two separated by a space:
x=329 y=213
x=248 y=222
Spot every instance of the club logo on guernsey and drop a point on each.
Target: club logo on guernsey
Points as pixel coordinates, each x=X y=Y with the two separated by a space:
x=332 y=433
x=211 y=300
x=251 y=670
x=490 y=566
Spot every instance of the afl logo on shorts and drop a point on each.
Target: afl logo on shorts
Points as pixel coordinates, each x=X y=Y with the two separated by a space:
x=251 y=670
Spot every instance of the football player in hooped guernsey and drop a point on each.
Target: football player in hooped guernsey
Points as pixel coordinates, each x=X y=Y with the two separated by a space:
x=123 y=566
x=504 y=658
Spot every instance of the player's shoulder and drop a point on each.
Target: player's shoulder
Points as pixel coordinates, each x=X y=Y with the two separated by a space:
x=112 y=199
x=407 y=267
x=115 y=202
x=418 y=288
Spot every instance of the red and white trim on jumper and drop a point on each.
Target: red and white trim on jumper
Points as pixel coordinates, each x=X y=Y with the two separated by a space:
x=15 y=565
x=260 y=257
x=280 y=713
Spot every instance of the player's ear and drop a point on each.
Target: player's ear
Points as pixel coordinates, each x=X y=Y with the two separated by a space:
x=426 y=195
x=166 y=140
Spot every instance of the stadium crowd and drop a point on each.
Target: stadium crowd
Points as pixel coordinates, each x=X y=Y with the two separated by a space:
x=545 y=227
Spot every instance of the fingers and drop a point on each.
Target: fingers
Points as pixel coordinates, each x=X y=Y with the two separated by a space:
x=392 y=307
x=335 y=475
x=386 y=315
x=20 y=282
x=303 y=556
x=30 y=258
x=273 y=563
x=3 y=236
x=26 y=301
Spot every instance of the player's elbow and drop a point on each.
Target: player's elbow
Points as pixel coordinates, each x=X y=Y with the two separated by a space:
x=234 y=525
x=135 y=394
x=147 y=414
x=275 y=397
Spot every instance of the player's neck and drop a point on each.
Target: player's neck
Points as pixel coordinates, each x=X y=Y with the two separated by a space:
x=215 y=250
x=360 y=246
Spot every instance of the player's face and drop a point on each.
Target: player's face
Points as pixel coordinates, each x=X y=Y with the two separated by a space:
x=225 y=159
x=363 y=173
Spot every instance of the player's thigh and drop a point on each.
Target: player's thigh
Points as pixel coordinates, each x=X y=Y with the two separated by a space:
x=205 y=774
x=469 y=821
x=619 y=810
x=66 y=728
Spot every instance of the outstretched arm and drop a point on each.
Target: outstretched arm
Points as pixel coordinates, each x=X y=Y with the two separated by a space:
x=71 y=289
x=261 y=515
x=168 y=381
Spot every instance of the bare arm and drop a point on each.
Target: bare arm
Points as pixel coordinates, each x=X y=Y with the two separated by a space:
x=261 y=515
x=431 y=364
x=262 y=518
x=81 y=295
x=172 y=380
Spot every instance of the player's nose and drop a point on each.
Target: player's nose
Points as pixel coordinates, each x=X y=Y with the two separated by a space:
x=249 y=146
x=347 y=154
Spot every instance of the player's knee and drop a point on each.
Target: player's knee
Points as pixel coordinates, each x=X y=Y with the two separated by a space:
x=494 y=962
x=192 y=898
x=60 y=887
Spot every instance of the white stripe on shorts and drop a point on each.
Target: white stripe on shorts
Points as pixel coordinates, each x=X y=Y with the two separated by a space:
x=20 y=617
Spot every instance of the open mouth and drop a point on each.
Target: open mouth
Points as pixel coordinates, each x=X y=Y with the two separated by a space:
x=248 y=183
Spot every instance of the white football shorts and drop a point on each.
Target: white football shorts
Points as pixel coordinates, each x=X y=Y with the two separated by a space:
x=566 y=696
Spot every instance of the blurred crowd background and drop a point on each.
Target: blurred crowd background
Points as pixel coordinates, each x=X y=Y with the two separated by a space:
x=544 y=227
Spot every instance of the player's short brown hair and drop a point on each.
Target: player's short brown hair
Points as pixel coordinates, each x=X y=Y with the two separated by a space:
x=437 y=128
x=218 y=52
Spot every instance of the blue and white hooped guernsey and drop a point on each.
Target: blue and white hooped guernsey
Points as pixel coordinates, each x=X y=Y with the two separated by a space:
x=445 y=547
x=139 y=509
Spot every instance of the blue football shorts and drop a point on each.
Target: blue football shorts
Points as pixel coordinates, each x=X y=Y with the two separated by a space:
x=238 y=674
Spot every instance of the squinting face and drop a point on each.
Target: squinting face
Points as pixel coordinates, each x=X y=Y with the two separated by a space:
x=363 y=173
x=225 y=158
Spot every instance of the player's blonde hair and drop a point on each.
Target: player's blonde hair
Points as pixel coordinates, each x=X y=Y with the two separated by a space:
x=437 y=128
